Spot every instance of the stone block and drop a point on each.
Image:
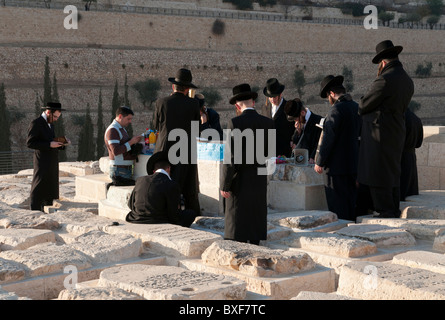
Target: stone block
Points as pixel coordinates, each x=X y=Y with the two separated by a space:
x=172 y=283
x=424 y=229
x=26 y=219
x=255 y=260
x=330 y=243
x=11 y=271
x=98 y=293
x=439 y=241
x=429 y=177
x=302 y=219
x=319 y=279
x=436 y=154
x=80 y=168
x=382 y=236
x=104 y=248
x=20 y=239
x=6 y=295
x=431 y=261
x=168 y=238
x=422 y=154
x=109 y=210
x=426 y=205
x=78 y=222
x=92 y=187
x=287 y=195
x=47 y=258
x=118 y=196
x=387 y=281
x=310 y=295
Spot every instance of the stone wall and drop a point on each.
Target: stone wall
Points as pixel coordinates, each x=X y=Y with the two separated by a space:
x=109 y=45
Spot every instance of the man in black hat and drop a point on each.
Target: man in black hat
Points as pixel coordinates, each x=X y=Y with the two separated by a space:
x=338 y=149
x=209 y=117
x=274 y=109
x=41 y=138
x=156 y=197
x=244 y=189
x=382 y=111
x=181 y=113
x=307 y=133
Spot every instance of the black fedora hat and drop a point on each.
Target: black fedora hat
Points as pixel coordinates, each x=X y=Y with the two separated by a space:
x=273 y=88
x=292 y=109
x=386 y=49
x=329 y=82
x=156 y=157
x=183 y=78
x=242 y=92
x=53 y=106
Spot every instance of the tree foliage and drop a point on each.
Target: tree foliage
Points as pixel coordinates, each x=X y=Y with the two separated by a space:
x=86 y=147
x=147 y=91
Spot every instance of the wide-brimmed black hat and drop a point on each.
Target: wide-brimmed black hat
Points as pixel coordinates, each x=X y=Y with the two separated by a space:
x=386 y=50
x=156 y=157
x=201 y=99
x=292 y=109
x=330 y=82
x=273 y=88
x=53 y=106
x=242 y=92
x=183 y=78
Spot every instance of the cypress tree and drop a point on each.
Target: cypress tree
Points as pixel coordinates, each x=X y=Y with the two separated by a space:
x=59 y=125
x=46 y=83
x=5 y=133
x=86 y=148
x=100 y=143
x=37 y=109
x=115 y=102
x=128 y=104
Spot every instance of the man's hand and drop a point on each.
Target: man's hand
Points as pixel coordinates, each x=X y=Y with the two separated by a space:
x=318 y=169
x=55 y=144
x=225 y=194
x=203 y=117
x=134 y=140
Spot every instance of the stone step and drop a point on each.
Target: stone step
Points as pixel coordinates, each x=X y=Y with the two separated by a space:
x=173 y=283
x=387 y=281
x=430 y=261
x=20 y=239
x=92 y=187
x=109 y=210
x=429 y=204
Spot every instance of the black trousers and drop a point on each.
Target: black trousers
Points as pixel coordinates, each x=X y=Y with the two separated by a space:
x=341 y=195
x=186 y=217
x=386 y=201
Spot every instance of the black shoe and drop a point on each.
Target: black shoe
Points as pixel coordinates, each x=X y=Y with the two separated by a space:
x=387 y=215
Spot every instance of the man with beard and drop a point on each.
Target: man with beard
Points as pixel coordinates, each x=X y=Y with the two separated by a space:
x=382 y=111
x=307 y=133
x=41 y=138
x=338 y=149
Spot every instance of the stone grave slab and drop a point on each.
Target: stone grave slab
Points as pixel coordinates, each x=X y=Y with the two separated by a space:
x=80 y=168
x=439 y=241
x=102 y=248
x=330 y=243
x=302 y=219
x=11 y=271
x=310 y=295
x=47 y=258
x=100 y=293
x=420 y=228
x=168 y=238
x=431 y=261
x=20 y=239
x=257 y=261
x=284 y=287
x=172 y=283
x=78 y=222
x=382 y=236
x=27 y=219
x=6 y=295
x=429 y=204
x=387 y=281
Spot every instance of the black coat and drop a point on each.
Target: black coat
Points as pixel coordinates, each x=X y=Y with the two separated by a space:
x=246 y=208
x=154 y=199
x=284 y=129
x=409 y=184
x=177 y=111
x=310 y=136
x=338 y=150
x=383 y=133
x=212 y=123
x=45 y=181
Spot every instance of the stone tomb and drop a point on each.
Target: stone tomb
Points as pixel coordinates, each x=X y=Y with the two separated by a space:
x=172 y=283
x=275 y=274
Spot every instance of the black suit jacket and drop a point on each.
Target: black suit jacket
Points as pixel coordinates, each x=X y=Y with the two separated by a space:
x=246 y=208
x=45 y=182
x=338 y=150
x=154 y=199
x=310 y=136
x=284 y=129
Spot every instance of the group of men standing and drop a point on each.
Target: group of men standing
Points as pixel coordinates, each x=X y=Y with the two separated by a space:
x=358 y=145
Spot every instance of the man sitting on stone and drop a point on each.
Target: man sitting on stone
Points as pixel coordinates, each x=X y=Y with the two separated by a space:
x=156 y=197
